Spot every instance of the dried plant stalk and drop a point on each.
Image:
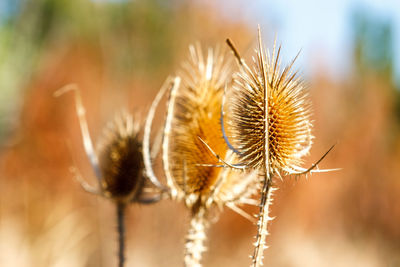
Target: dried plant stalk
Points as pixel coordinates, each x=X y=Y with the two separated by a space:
x=121 y=166
x=194 y=115
x=192 y=138
x=117 y=163
x=270 y=125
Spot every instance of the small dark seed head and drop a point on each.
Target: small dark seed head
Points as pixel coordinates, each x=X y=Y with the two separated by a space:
x=120 y=160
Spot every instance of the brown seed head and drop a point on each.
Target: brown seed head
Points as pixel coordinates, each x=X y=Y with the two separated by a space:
x=287 y=112
x=194 y=118
x=196 y=114
x=193 y=146
x=120 y=159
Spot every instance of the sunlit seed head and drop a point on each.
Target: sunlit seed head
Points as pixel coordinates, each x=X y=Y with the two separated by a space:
x=288 y=114
x=196 y=114
x=120 y=159
x=193 y=137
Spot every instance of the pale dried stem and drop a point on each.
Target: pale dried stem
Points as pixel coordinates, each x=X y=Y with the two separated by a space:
x=262 y=232
x=195 y=238
x=121 y=234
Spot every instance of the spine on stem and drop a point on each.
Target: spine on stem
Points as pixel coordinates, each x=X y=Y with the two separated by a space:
x=262 y=224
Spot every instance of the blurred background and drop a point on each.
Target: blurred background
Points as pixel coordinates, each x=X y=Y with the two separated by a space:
x=120 y=52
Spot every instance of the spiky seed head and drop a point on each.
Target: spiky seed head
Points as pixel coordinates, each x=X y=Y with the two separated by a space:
x=287 y=114
x=120 y=159
x=192 y=139
x=196 y=114
x=193 y=120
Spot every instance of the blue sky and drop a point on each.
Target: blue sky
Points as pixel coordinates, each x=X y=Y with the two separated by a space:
x=321 y=29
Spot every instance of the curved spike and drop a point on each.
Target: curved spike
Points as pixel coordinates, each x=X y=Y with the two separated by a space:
x=146 y=136
x=167 y=130
x=314 y=165
x=233 y=166
x=87 y=141
x=85 y=185
x=231 y=147
x=155 y=149
x=241 y=212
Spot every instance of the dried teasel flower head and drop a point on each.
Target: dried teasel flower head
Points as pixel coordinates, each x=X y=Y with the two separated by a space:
x=267 y=96
x=193 y=146
x=270 y=126
x=118 y=160
x=193 y=127
x=118 y=164
x=193 y=116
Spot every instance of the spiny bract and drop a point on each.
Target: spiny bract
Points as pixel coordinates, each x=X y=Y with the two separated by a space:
x=288 y=117
x=193 y=123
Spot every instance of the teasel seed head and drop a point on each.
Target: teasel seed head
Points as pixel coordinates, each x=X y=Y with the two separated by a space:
x=120 y=159
x=193 y=138
x=193 y=117
x=118 y=164
x=270 y=126
x=286 y=114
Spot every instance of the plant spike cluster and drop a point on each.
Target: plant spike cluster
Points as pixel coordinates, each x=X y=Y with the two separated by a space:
x=270 y=112
x=192 y=127
x=270 y=126
x=117 y=163
x=267 y=131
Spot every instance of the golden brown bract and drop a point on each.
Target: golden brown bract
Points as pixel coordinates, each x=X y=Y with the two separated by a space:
x=196 y=116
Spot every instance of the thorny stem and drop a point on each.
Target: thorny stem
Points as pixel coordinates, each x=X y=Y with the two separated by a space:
x=195 y=238
x=265 y=193
x=262 y=232
x=121 y=233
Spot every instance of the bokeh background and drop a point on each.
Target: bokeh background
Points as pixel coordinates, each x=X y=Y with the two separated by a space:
x=120 y=52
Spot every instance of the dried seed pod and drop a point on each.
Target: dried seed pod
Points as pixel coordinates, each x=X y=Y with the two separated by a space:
x=192 y=139
x=120 y=160
x=270 y=125
x=120 y=170
x=192 y=134
x=193 y=116
x=283 y=95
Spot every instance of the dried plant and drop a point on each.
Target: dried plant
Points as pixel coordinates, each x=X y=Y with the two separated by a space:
x=269 y=120
x=193 y=143
x=117 y=163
